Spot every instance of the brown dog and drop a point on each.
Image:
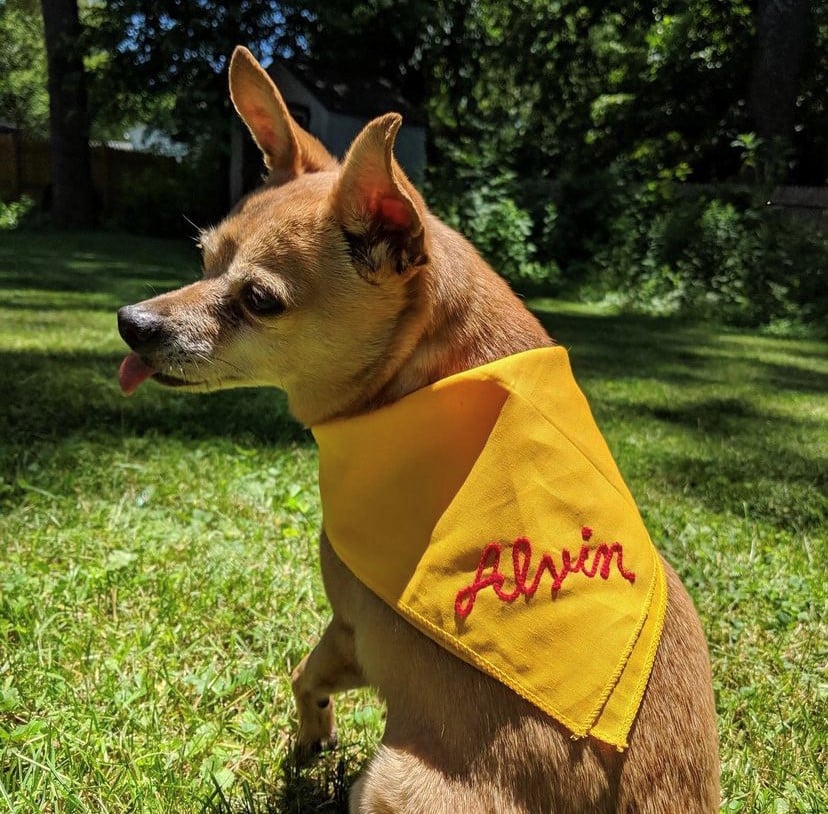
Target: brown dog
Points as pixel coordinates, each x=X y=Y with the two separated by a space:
x=334 y=283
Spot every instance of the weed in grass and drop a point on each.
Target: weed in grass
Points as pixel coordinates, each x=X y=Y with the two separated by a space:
x=158 y=566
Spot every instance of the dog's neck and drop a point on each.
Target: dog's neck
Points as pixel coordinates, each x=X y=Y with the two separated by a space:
x=469 y=317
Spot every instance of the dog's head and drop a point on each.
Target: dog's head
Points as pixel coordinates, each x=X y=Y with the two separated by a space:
x=313 y=283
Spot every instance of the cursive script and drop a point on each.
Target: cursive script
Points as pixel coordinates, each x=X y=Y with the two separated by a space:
x=489 y=574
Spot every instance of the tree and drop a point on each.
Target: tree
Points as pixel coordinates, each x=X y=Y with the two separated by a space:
x=24 y=100
x=73 y=201
x=524 y=89
x=377 y=39
x=781 y=41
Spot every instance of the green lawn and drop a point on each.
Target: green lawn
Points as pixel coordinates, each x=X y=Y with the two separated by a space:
x=158 y=569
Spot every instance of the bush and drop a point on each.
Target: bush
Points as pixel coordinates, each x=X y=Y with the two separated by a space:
x=15 y=213
x=163 y=201
x=152 y=203
x=501 y=231
x=713 y=252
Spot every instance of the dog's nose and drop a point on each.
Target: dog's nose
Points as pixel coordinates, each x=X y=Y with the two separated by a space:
x=141 y=328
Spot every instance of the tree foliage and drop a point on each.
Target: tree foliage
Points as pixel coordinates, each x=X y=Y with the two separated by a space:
x=586 y=118
x=24 y=100
x=574 y=85
x=170 y=59
x=533 y=87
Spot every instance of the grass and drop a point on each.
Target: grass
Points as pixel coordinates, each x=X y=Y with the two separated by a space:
x=158 y=568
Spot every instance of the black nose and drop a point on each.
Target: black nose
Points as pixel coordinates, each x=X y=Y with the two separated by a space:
x=141 y=328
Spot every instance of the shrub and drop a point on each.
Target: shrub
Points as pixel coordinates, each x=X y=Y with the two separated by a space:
x=714 y=252
x=152 y=203
x=501 y=231
x=161 y=200
x=15 y=213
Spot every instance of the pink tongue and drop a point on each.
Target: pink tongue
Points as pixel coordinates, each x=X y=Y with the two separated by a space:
x=132 y=372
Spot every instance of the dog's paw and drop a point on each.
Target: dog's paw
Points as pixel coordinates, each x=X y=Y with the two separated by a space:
x=305 y=752
x=317 y=731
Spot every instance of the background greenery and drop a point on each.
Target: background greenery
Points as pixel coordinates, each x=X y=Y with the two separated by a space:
x=158 y=572
x=158 y=567
x=623 y=150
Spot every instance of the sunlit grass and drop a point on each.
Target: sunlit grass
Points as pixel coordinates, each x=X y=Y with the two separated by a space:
x=158 y=566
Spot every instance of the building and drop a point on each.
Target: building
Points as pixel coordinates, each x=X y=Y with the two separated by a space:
x=334 y=111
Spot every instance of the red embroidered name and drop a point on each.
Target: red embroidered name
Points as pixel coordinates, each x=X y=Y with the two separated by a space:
x=489 y=574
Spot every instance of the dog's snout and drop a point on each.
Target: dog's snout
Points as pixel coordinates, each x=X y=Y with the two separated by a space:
x=141 y=328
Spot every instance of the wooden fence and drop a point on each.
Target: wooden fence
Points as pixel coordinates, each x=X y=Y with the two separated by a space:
x=25 y=170
x=798 y=203
x=803 y=203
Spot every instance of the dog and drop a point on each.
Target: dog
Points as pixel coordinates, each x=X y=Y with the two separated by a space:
x=334 y=283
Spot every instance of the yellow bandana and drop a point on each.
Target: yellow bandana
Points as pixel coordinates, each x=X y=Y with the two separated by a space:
x=487 y=510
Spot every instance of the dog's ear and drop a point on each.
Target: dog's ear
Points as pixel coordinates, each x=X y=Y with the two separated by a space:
x=288 y=150
x=377 y=206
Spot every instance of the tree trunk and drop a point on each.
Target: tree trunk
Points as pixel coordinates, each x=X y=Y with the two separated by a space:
x=73 y=199
x=781 y=32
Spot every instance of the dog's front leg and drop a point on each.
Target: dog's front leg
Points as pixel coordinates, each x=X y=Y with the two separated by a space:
x=330 y=667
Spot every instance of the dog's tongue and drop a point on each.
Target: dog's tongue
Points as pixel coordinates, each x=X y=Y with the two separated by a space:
x=133 y=371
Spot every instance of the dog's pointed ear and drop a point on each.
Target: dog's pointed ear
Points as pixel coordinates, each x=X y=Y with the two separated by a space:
x=374 y=201
x=289 y=151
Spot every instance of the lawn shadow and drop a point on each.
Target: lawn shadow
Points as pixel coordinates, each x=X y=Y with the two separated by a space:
x=783 y=377
x=57 y=395
x=742 y=460
x=92 y=300
x=733 y=443
x=728 y=418
x=53 y=397
x=55 y=264
x=716 y=415
x=53 y=407
x=677 y=351
x=623 y=346
x=790 y=500
x=321 y=788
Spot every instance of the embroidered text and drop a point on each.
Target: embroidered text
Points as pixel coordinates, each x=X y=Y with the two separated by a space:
x=489 y=573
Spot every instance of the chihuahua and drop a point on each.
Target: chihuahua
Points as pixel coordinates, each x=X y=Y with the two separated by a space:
x=334 y=283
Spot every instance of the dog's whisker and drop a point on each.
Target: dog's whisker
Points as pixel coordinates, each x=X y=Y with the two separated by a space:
x=199 y=229
x=211 y=361
x=229 y=364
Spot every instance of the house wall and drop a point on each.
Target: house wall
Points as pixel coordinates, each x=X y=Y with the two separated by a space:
x=337 y=130
x=295 y=93
x=410 y=147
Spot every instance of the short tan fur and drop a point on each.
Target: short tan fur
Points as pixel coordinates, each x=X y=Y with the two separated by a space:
x=336 y=284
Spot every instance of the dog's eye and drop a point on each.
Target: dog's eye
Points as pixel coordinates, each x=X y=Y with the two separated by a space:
x=262 y=302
